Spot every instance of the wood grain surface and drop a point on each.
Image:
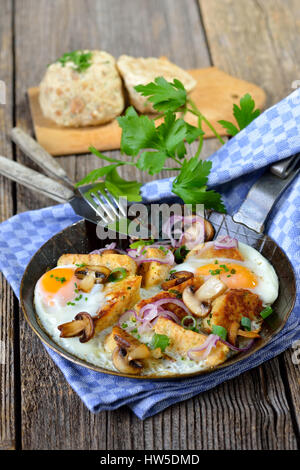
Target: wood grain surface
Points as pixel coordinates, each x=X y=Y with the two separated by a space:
x=8 y=322
x=253 y=40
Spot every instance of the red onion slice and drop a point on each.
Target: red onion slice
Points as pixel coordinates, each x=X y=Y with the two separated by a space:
x=126 y=316
x=160 y=302
x=225 y=242
x=207 y=346
x=235 y=348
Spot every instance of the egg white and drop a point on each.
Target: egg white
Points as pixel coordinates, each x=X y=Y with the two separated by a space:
x=268 y=285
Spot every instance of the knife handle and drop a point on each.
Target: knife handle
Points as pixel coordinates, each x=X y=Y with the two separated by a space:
x=265 y=192
x=34 y=180
x=38 y=154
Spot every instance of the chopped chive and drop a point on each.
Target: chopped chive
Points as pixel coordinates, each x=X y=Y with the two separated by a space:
x=219 y=331
x=266 y=312
x=246 y=323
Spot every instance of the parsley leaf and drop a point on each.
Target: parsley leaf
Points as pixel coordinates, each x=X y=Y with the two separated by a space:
x=165 y=96
x=153 y=162
x=120 y=187
x=190 y=185
x=160 y=341
x=243 y=115
x=230 y=128
x=166 y=140
x=95 y=175
x=138 y=132
x=82 y=60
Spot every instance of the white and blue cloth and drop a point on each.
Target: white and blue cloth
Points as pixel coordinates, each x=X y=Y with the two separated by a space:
x=274 y=135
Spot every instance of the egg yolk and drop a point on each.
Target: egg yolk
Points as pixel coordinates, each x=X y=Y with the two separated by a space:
x=233 y=275
x=58 y=284
x=55 y=279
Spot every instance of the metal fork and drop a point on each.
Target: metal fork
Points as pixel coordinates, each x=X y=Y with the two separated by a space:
x=92 y=202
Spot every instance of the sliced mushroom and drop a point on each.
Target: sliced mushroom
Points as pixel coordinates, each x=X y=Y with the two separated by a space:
x=82 y=325
x=233 y=331
x=209 y=231
x=89 y=275
x=197 y=307
x=134 y=348
x=199 y=302
x=211 y=289
x=177 y=278
x=193 y=232
x=123 y=364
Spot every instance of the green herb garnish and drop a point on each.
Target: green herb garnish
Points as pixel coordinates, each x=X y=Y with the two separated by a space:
x=243 y=115
x=117 y=274
x=266 y=312
x=140 y=243
x=160 y=341
x=176 y=292
x=59 y=279
x=246 y=323
x=180 y=253
x=81 y=60
x=219 y=331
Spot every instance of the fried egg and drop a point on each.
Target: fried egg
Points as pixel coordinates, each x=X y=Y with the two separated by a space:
x=57 y=298
x=255 y=273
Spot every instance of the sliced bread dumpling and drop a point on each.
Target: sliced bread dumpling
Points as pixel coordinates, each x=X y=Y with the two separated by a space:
x=141 y=71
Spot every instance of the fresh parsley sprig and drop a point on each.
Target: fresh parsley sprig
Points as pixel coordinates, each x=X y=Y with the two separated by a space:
x=243 y=115
x=151 y=147
x=82 y=60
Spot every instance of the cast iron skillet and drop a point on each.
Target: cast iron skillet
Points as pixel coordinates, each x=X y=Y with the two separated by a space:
x=81 y=238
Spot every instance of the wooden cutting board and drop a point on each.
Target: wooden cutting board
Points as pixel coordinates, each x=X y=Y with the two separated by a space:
x=215 y=94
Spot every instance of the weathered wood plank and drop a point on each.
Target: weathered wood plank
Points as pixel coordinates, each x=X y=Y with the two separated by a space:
x=239 y=414
x=255 y=40
x=7 y=369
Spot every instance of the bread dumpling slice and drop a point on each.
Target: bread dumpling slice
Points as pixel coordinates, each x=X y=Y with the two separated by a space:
x=83 y=88
x=141 y=71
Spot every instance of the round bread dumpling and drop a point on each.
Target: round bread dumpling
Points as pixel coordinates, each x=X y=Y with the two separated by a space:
x=141 y=71
x=83 y=88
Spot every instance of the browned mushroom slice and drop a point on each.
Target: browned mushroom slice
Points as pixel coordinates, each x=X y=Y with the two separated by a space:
x=199 y=302
x=82 y=325
x=123 y=364
x=134 y=348
x=209 y=231
x=193 y=232
x=89 y=275
x=177 y=278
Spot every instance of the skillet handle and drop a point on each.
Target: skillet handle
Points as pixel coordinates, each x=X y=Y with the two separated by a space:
x=38 y=154
x=34 y=180
x=265 y=192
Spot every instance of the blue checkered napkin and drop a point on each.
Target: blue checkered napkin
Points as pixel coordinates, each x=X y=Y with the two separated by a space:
x=272 y=136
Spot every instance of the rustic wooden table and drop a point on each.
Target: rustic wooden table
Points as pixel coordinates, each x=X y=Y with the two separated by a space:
x=254 y=40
